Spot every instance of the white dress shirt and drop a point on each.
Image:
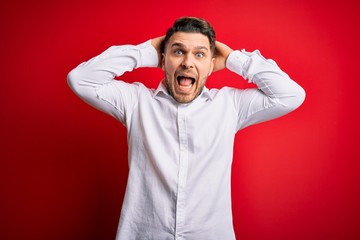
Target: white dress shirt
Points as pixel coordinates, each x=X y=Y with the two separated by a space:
x=180 y=155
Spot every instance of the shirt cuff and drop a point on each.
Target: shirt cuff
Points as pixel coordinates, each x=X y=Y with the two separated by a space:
x=148 y=55
x=235 y=62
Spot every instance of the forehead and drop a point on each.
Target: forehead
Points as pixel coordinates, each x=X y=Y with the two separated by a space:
x=189 y=40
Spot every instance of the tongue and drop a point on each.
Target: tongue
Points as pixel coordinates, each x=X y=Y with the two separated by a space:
x=185 y=82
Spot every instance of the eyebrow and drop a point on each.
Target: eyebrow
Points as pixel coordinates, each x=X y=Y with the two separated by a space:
x=178 y=44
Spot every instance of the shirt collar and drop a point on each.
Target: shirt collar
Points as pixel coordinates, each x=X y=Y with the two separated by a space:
x=161 y=89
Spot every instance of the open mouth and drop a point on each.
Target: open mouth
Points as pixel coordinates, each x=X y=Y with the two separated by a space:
x=185 y=82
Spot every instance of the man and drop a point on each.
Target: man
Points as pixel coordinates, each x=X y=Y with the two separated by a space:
x=181 y=135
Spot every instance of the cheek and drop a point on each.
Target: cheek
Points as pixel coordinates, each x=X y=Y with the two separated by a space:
x=169 y=79
x=168 y=66
x=205 y=71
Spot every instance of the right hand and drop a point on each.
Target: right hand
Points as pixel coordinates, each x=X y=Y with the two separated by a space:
x=156 y=42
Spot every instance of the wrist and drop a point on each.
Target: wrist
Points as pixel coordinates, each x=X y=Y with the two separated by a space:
x=235 y=61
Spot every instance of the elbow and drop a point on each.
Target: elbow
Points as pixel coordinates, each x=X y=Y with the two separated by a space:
x=297 y=99
x=300 y=97
x=73 y=79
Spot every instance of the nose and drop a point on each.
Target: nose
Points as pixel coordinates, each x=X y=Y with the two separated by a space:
x=187 y=61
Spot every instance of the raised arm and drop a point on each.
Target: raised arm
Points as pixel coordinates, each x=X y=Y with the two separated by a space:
x=276 y=94
x=93 y=81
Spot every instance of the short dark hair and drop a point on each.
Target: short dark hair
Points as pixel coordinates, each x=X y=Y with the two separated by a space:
x=191 y=25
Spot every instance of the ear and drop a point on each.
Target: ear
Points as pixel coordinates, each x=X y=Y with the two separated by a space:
x=212 y=64
x=163 y=61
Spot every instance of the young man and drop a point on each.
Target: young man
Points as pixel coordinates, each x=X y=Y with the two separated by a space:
x=181 y=135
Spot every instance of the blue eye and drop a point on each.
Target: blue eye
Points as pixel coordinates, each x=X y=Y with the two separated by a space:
x=178 y=52
x=200 y=54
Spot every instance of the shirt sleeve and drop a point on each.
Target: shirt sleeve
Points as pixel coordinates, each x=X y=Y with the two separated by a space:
x=93 y=81
x=275 y=96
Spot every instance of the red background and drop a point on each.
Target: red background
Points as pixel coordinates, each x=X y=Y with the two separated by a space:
x=64 y=165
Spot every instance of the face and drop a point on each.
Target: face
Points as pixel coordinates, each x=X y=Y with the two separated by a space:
x=187 y=62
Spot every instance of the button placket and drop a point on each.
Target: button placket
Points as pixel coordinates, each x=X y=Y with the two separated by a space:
x=183 y=170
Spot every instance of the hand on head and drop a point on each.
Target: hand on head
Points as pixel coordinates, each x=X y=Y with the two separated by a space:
x=157 y=44
x=222 y=52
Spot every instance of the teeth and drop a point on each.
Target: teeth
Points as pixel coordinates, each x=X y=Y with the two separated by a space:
x=187 y=86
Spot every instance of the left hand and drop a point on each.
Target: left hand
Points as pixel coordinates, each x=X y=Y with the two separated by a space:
x=222 y=52
x=156 y=42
